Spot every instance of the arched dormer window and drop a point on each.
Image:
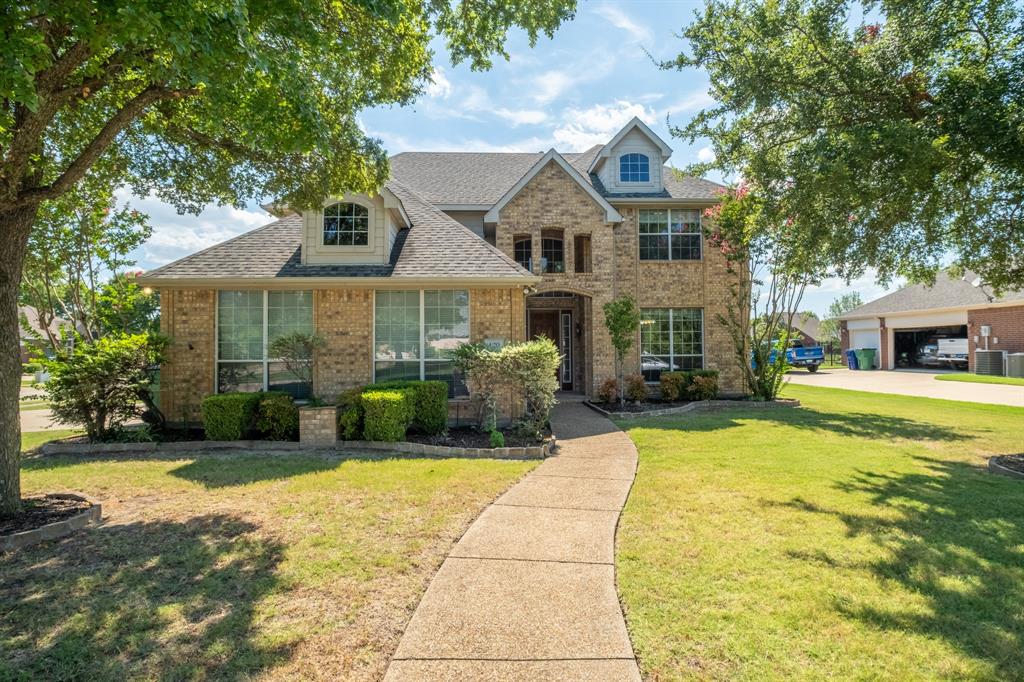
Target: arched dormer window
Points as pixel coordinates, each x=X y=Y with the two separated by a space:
x=346 y=224
x=634 y=168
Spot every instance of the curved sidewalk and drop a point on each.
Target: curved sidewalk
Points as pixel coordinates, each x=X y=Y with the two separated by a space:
x=528 y=593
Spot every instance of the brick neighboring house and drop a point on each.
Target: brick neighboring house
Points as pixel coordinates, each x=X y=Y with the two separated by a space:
x=919 y=316
x=457 y=247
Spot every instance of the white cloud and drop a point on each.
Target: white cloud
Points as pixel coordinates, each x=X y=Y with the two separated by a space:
x=583 y=128
x=619 y=19
x=521 y=116
x=439 y=86
x=550 y=85
x=705 y=154
x=698 y=99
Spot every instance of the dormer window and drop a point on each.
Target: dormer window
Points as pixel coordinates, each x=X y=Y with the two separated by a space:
x=634 y=168
x=346 y=224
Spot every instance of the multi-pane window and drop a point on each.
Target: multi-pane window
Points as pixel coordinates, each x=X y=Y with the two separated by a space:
x=346 y=225
x=523 y=252
x=247 y=323
x=634 y=168
x=414 y=332
x=553 y=253
x=671 y=339
x=670 y=234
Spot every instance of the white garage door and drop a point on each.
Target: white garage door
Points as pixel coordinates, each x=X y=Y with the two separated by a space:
x=864 y=338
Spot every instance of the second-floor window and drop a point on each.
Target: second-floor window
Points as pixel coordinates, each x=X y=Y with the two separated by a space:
x=634 y=168
x=346 y=224
x=553 y=252
x=523 y=252
x=670 y=234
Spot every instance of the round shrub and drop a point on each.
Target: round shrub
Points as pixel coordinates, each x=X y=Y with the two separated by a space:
x=636 y=388
x=609 y=391
x=277 y=417
x=704 y=385
x=497 y=439
x=350 y=423
x=386 y=414
x=674 y=385
x=229 y=416
x=430 y=403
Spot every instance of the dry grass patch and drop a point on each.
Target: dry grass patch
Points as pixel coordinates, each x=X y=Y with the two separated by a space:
x=235 y=566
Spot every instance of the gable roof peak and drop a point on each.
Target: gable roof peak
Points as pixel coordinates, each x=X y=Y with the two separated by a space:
x=634 y=124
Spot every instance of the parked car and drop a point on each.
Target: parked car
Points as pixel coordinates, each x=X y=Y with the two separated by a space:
x=953 y=352
x=799 y=355
x=928 y=356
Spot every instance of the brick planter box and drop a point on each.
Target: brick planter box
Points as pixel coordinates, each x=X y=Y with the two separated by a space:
x=318 y=426
x=57 y=529
x=406 y=448
x=702 y=406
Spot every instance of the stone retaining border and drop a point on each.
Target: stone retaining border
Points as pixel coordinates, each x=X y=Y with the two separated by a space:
x=702 y=406
x=57 y=529
x=270 y=446
x=995 y=467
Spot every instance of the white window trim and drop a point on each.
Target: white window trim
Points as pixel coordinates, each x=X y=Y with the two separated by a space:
x=672 y=356
x=371 y=223
x=423 y=360
x=670 y=259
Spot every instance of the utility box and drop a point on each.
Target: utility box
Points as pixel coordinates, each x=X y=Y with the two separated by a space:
x=989 y=362
x=1015 y=365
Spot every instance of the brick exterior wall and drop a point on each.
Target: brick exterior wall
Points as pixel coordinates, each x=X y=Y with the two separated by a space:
x=187 y=317
x=1007 y=325
x=553 y=201
x=344 y=317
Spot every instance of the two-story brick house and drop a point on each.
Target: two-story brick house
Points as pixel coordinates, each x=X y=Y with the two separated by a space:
x=457 y=247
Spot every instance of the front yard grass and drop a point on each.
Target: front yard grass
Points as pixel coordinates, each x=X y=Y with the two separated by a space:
x=235 y=566
x=859 y=537
x=981 y=379
x=30 y=440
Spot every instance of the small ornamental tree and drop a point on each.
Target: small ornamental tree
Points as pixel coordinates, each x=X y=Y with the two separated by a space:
x=103 y=384
x=622 y=319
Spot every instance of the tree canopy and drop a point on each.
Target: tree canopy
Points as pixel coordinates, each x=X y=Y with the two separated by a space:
x=892 y=132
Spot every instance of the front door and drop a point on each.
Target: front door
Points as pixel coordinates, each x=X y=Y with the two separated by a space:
x=557 y=326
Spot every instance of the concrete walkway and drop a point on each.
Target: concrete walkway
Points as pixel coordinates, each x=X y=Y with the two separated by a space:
x=911 y=382
x=528 y=593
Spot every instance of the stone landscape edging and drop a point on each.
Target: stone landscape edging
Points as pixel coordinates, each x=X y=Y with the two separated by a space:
x=57 y=529
x=701 y=406
x=995 y=467
x=201 y=446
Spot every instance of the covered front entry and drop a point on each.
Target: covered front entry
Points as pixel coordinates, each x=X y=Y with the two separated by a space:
x=563 y=317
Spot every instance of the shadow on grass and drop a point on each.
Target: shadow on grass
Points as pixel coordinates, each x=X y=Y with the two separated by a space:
x=146 y=600
x=221 y=472
x=869 y=425
x=956 y=541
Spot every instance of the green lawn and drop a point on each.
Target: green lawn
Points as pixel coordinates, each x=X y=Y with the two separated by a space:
x=859 y=537
x=236 y=566
x=33 y=439
x=981 y=379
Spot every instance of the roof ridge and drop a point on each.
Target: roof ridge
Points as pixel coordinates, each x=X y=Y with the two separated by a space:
x=189 y=257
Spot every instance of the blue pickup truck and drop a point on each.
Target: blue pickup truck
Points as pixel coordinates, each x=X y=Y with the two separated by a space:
x=799 y=355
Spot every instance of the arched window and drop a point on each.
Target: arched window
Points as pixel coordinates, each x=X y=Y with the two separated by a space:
x=346 y=225
x=634 y=168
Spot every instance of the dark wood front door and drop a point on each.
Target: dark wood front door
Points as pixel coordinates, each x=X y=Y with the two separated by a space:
x=550 y=323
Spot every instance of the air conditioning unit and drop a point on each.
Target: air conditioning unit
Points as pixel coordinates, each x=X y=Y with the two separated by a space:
x=1015 y=365
x=989 y=362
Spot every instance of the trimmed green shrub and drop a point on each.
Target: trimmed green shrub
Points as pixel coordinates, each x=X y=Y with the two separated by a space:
x=674 y=385
x=497 y=439
x=430 y=403
x=230 y=416
x=636 y=388
x=386 y=414
x=277 y=417
x=350 y=422
x=704 y=385
x=609 y=390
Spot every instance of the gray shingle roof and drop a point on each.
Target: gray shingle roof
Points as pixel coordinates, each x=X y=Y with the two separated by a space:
x=435 y=246
x=947 y=292
x=483 y=178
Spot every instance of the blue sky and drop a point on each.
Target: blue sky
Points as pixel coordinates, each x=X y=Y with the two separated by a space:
x=570 y=92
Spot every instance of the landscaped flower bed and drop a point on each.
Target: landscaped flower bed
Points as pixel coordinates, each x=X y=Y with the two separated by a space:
x=46 y=517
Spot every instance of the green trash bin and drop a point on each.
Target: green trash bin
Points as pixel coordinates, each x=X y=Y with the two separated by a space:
x=866 y=358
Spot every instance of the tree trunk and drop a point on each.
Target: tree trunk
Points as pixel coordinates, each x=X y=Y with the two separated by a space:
x=14 y=229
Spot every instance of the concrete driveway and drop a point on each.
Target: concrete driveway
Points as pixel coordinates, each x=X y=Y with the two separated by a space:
x=911 y=382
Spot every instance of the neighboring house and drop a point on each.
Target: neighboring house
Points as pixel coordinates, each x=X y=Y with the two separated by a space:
x=30 y=341
x=807 y=328
x=459 y=247
x=909 y=323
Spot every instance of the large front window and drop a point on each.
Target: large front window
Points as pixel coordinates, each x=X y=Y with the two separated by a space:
x=247 y=323
x=671 y=339
x=413 y=332
x=670 y=234
x=346 y=224
x=552 y=250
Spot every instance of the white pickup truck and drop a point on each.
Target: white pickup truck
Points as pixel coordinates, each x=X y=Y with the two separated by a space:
x=953 y=352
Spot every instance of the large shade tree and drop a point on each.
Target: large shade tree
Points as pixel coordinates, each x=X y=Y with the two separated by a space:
x=892 y=130
x=209 y=100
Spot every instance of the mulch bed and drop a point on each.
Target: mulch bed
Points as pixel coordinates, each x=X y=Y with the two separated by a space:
x=39 y=511
x=1013 y=462
x=469 y=437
